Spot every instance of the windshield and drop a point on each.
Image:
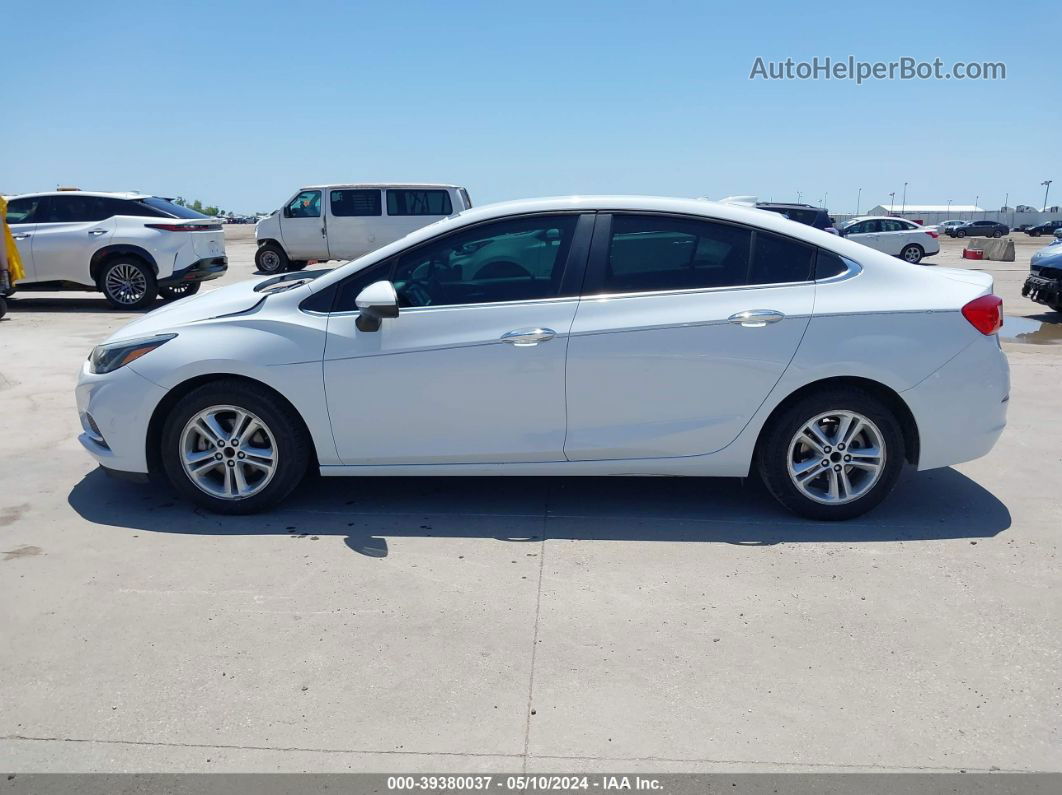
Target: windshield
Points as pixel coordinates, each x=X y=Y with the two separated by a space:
x=168 y=207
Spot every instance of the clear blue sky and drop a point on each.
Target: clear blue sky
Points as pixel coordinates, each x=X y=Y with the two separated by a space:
x=238 y=103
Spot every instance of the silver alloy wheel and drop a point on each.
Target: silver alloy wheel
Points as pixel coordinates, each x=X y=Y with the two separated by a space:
x=270 y=261
x=125 y=283
x=836 y=457
x=912 y=254
x=228 y=452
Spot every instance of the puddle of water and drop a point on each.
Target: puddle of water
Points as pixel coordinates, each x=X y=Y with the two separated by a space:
x=1031 y=332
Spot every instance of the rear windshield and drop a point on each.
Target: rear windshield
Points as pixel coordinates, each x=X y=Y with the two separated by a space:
x=168 y=207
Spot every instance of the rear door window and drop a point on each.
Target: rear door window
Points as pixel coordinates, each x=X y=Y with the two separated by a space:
x=403 y=201
x=655 y=253
x=348 y=203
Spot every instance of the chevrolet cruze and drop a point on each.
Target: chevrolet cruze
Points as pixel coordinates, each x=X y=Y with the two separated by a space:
x=572 y=336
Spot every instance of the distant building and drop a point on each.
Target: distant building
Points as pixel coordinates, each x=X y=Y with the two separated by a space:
x=957 y=210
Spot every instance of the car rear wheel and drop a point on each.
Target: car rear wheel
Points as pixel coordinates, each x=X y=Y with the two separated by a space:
x=234 y=449
x=128 y=283
x=182 y=290
x=912 y=253
x=271 y=258
x=832 y=455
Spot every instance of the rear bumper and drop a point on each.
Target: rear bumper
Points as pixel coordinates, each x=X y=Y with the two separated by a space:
x=1043 y=290
x=961 y=409
x=199 y=271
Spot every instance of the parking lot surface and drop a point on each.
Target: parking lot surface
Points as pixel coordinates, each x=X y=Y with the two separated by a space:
x=542 y=624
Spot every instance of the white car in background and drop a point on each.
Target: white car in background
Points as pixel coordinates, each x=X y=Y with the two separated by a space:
x=943 y=227
x=896 y=236
x=341 y=222
x=610 y=335
x=130 y=246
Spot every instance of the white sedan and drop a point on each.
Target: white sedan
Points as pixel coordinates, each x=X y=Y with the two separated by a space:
x=581 y=336
x=896 y=236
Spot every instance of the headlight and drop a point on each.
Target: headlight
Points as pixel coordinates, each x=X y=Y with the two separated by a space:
x=107 y=358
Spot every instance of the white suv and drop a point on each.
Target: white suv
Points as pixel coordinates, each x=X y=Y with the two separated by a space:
x=896 y=236
x=131 y=247
x=341 y=222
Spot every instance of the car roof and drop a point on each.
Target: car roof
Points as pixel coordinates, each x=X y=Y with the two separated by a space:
x=324 y=185
x=106 y=194
x=880 y=218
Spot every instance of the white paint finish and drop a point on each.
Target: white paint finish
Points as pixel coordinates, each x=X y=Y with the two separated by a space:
x=63 y=251
x=653 y=384
x=440 y=385
x=348 y=237
x=892 y=241
x=669 y=375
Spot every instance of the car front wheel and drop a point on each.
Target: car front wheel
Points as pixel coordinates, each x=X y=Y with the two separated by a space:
x=959 y=233
x=234 y=448
x=832 y=455
x=912 y=254
x=271 y=258
x=997 y=233
x=128 y=283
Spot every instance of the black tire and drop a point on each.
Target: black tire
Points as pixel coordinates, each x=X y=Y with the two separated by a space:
x=3 y=308
x=1033 y=233
x=912 y=253
x=959 y=233
x=177 y=291
x=271 y=259
x=297 y=264
x=291 y=444
x=773 y=452
x=997 y=234
x=127 y=282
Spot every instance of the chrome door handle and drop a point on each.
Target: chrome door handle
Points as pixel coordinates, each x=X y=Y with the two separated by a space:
x=97 y=232
x=21 y=236
x=526 y=337
x=756 y=318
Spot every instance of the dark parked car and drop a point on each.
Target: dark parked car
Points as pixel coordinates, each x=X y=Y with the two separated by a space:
x=980 y=229
x=1046 y=228
x=817 y=217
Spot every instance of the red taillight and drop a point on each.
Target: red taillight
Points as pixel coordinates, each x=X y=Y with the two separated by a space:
x=185 y=227
x=931 y=233
x=985 y=313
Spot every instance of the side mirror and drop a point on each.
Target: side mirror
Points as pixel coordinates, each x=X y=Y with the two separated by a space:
x=375 y=302
x=286 y=211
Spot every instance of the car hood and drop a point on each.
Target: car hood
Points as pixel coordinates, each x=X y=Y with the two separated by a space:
x=224 y=301
x=1050 y=256
x=230 y=300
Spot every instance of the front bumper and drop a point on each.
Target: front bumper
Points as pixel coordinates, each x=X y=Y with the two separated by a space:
x=115 y=410
x=199 y=271
x=1043 y=290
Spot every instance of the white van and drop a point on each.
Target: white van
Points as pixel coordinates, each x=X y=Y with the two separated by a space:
x=341 y=222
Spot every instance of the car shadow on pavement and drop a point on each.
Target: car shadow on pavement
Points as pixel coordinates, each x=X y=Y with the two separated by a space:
x=936 y=505
x=83 y=303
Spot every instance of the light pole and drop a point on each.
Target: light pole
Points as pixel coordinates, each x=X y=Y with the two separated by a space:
x=903 y=206
x=799 y=194
x=977 y=198
x=892 y=203
x=1047 y=186
x=1006 y=208
x=859 y=196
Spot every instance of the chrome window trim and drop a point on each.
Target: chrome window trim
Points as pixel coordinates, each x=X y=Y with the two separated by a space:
x=854 y=269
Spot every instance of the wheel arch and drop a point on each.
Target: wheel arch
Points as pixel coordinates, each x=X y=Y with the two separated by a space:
x=153 y=441
x=885 y=394
x=107 y=253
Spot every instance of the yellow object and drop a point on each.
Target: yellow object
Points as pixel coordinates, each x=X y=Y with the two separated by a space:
x=10 y=257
